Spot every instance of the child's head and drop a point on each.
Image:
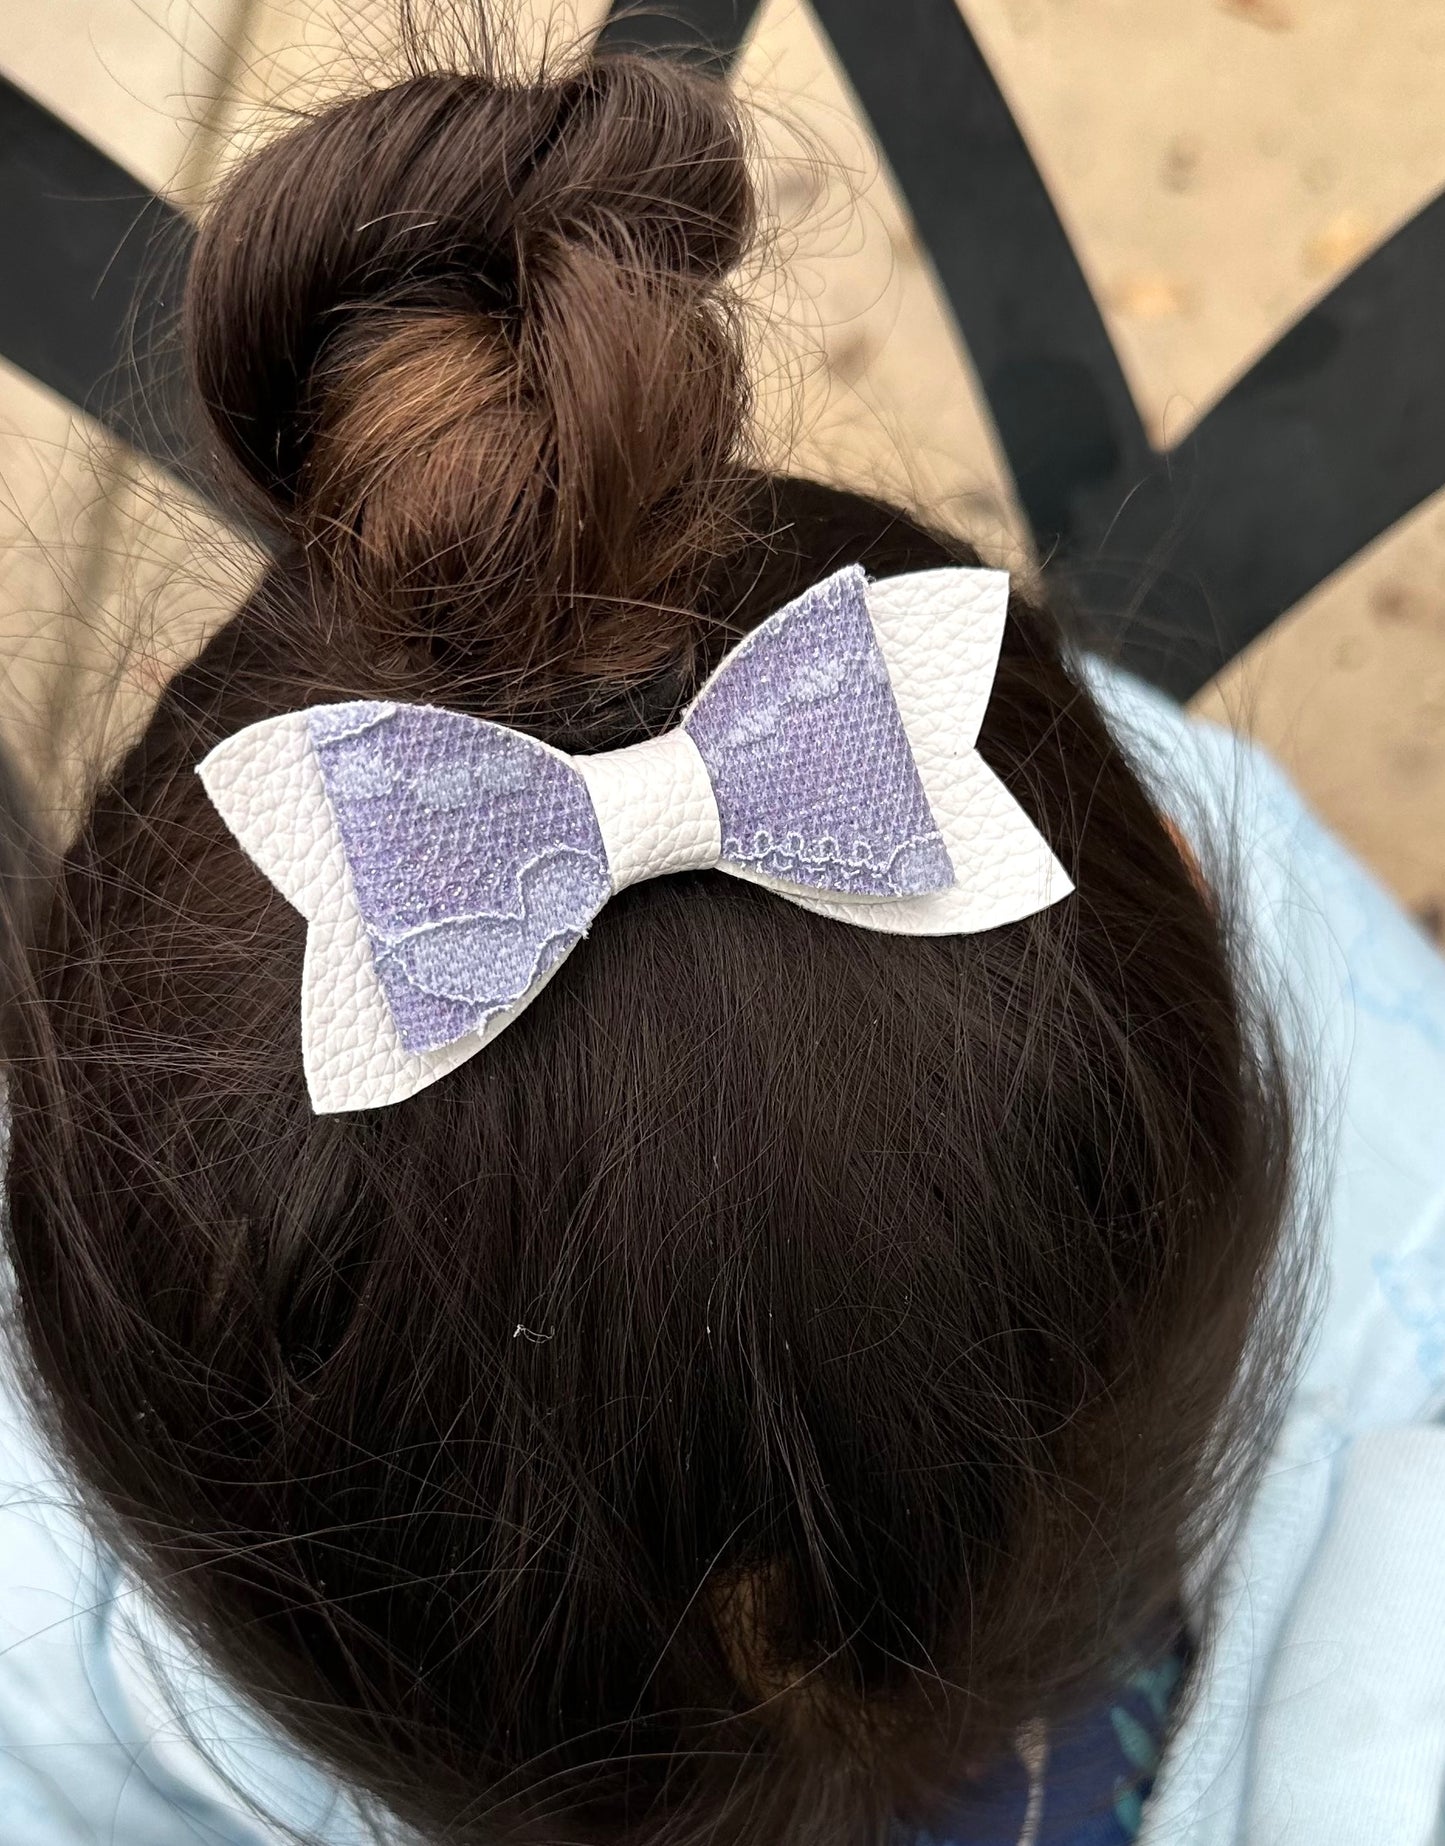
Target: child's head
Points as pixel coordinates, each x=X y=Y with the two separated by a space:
x=790 y=1357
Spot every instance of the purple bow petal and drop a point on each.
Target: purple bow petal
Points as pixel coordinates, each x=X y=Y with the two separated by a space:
x=475 y=854
x=813 y=773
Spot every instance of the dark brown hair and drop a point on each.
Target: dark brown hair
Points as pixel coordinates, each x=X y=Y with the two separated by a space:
x=790 y=1358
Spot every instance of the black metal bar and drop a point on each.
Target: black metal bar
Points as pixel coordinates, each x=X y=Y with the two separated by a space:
x=1180 y=560
x=1333 y=436
x=704 y=31
x=1063 y=408
x=92 y=270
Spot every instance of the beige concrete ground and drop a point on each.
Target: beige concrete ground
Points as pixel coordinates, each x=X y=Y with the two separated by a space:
x=1219 y=164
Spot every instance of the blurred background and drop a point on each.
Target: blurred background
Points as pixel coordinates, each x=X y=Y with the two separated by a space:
x=1145 y=297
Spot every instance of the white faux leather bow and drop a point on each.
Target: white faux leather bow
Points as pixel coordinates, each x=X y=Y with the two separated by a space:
x=447 y=866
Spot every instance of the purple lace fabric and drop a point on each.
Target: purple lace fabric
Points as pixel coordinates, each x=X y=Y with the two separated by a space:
x=477 y=857
x=812 y=770
x=475 y=854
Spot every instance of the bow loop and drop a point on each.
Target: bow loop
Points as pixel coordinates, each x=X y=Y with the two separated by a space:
x=475 y=858
x=814 y=779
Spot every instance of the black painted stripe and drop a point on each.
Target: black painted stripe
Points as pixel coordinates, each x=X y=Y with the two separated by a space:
x=92 y=263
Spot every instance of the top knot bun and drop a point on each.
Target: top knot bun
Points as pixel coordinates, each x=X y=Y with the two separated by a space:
x=472 y=343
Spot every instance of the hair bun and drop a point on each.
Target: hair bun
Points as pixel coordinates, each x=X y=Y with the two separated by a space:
x=473 y=344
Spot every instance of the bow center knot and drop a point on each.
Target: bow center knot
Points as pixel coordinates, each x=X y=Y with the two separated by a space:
x=655 y=808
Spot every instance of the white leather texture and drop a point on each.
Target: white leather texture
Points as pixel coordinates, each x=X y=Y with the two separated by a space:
x=939 y=632
x=655 y=807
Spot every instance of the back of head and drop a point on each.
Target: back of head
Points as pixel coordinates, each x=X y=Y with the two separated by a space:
x=789 y=1358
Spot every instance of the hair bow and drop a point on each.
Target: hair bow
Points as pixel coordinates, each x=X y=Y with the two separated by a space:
x=447 y=866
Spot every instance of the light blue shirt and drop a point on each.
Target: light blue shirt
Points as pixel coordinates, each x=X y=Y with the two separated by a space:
x=1320 y=1719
